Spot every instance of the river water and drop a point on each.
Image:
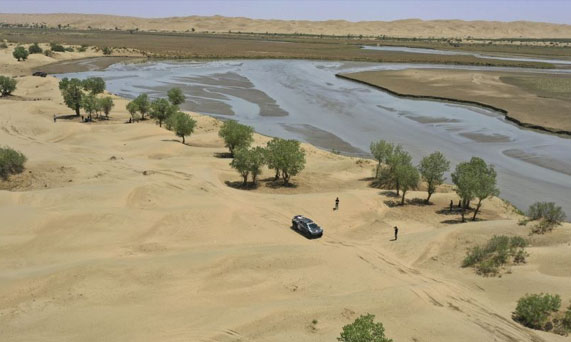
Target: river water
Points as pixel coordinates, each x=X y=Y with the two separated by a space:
x=304 y=100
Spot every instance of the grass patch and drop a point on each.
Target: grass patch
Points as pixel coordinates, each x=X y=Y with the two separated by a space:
x=554 y=86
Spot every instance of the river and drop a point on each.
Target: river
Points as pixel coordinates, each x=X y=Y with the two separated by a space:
x=304 y=100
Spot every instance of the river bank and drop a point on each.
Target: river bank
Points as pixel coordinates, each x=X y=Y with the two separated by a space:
x=533 y=107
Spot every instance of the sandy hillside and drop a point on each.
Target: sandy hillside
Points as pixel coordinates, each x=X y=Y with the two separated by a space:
x=118 y=232
x=399 y=28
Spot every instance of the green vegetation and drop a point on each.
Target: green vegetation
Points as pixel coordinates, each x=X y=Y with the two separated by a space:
x=133 y=109
x=176 y=97
x=498 y=251
x=106 y=104
x=11 y=162
x=548 y=214
x=364 y=329
x=57 y=47
x=7 y=85
x=107 y=51
x=556 y=87
x=286 y=157
x=249 y=161
x=474 y=179
x=181 y=124
x=236 y=135
x=141 y=104
x=94 y=85
x=73 y=95
x=20 y=53
x=407 y=177
x=432 y=169
x=35 y=48
x=535 y=310
x=161 y=110
x=381 y=150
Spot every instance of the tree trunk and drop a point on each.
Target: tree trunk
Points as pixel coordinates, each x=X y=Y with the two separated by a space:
x=77 y=110
x=285 y=177
x=428 y=199
x=160 y=123
x=245 y=179
x=402 y=201
x=183 y=139
x=476 y=211
x=277 y=175
x=398 y=187
x=378 y=169
x=254 y=178
x=462 y=212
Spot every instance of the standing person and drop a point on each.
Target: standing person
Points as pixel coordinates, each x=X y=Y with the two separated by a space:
x=396 y=232
x=55 y=118
x=337 y=203
x=451 y=204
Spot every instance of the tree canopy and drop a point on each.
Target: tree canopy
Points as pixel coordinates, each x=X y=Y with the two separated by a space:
x=249 y=161
x=432 y=169
x=286 y=157
x=143 y=105
x=20 y=53
x=106 y=104
x=161 y=110
x=94 y=85
x=35 y=48
x=236 y=135
x=364 y=329
x=71 y=89
x=381 y=151
x=176 y=97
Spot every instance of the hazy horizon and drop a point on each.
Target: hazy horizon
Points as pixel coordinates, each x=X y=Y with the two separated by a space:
x=319 y=10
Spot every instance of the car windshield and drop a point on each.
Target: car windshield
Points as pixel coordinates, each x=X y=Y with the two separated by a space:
x=313 y=226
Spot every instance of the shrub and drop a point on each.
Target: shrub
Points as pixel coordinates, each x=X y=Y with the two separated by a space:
x=20 y=53
x=566 y=320
x=107 y=51
x=35 y=48
x=7 y=85
x=176 y=96
x=48 y=53
x=534 y=310
x=550 y=215
x=364 y=329
x=69 y=49
x=11 y=162
x=497 y=252
x=57 y=47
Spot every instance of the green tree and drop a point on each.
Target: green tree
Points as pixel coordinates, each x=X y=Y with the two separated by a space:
x=107 y=51
x=364 y=329
x=396 y=160
x=161 y=110
x=20 y=53
x=11 y=162
x=485 y=184
x=381 y=151
x=176 y=97
x=35 y=48
x=249 y=161
x=181 y=124
x=106 y=104
x=407 y=177
x=257 y=161
x=143 y=104
x=71 y=89
x=133 y=109
x=236 y=135
x=89 y=104
x=474 y=179
x=94 y=85
x=285 y=156
x=7 y=85
x=57 y=47
x=432 y=169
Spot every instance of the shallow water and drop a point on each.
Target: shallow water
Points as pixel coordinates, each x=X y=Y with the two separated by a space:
x=452 y=53
x=304 y=100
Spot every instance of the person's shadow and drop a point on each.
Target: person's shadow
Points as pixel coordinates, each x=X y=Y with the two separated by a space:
x=393 y=239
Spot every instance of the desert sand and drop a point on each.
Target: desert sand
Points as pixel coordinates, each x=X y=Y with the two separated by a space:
x=530 y=106
x=400 y=28
x=118 y=232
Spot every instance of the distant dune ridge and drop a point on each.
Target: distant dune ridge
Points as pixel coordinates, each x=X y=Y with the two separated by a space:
x=399 y=28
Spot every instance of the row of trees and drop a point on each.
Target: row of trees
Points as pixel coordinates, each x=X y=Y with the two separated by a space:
x=164 y=111
x=7 y=85
x=285 y=157
x=473 y=179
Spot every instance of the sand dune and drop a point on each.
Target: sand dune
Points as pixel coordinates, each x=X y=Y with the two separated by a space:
x=399 y=28
x=118 y=232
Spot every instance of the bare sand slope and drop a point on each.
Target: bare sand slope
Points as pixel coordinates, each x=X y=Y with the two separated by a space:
x=399 y=28
x=118 y=232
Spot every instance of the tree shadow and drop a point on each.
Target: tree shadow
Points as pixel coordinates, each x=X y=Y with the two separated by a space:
x=457 y=221
x=389 y=193
x=418 y=202
x=392 y=203
x=276 y=184
x=240 y=185
x=223 y=155
x=68 y=117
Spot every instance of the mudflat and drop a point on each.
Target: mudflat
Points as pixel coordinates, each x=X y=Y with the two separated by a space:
x=539 y=99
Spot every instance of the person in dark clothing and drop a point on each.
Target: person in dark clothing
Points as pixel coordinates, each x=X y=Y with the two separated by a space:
x=451 y=205
x=396 y=232
x=55 y=118
x=337 y=203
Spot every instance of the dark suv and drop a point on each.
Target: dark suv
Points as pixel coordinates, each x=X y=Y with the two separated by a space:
x=306 y=226
x=40 y=74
